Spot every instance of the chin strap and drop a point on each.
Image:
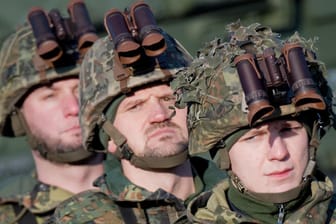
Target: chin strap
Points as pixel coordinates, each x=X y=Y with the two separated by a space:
x=313 y=145
x=64 y=157
x=277 y=198
x=125 y=152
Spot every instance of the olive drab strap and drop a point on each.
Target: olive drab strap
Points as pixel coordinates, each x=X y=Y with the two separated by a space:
x=20 y=124
x=313 y=145
x=121 y=74
x=124 y=152
x=159 y=163
x=23 y=215
x=128 y=215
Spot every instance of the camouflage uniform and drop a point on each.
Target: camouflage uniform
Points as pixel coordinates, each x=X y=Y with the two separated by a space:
x=24 y=199
x=100 y=88
x=211 y=89
x=214 y=207
x=131 y=203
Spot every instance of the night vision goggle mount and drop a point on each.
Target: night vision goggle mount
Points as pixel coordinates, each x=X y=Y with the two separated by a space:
x=62 y=40
x=269 y=82
x=133 y=31
x=137 y=39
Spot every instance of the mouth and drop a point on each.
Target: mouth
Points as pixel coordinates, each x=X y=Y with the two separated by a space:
x=75 y=128
x=280 y=174
x=161 y=132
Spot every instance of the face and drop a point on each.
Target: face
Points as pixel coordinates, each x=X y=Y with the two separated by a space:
x=147 y=122
x=271 y=158
x=51 y=113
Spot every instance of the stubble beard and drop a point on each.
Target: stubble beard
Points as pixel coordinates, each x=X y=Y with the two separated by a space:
x=48 y=144
x=168 y=145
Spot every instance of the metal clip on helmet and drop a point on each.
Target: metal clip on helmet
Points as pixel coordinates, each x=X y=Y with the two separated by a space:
x=105 y=80
x=38 y=52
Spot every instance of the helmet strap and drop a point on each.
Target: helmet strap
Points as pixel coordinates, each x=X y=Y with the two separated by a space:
x=18 y=123
x=282 y=197
x=20 y=126
x=64 y=157
x=313 y=145
x=125 y=152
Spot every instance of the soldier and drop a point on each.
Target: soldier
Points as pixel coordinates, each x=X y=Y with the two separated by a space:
x=127 y=109
x=39 y=98
x=263 y=105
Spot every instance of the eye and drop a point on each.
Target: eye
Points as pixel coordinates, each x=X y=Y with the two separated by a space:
x=48 y=95
x=252 y=136
x=134 y=106
x=291 y=129
x=169 y=98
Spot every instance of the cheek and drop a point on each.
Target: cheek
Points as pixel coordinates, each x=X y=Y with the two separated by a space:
x=243 y=159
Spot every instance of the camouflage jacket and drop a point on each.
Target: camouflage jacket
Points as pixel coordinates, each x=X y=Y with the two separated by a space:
x=213 y=207
x=131 y=203
x=23 y=199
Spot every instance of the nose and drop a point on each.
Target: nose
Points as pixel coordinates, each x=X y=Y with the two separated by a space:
x=159 y=111
x=278 y=149
x=71 y=104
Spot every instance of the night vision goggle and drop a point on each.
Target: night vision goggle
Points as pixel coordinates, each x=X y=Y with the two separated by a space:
x=268 y=81
x=57 y=36
x=133 y=31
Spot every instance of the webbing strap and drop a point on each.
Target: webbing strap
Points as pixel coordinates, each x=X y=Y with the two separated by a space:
x=23 y=215
x=124 y=152
x=128 y=215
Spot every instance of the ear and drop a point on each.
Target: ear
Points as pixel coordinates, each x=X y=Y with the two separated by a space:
x=111 y=147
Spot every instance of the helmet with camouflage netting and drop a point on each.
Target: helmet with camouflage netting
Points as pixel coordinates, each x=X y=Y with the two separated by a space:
x=107 y=76
x=23 y=67
x=254 y=77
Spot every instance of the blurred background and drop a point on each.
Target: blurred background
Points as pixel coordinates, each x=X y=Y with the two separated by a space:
x=194 y=22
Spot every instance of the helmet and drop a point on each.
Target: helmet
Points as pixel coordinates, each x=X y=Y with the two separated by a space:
x=253 y=77
x=24 y=65
x=21 y=69
x=103 y=79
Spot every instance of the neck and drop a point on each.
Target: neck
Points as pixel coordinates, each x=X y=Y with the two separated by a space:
x=74 y=178
x=177 y=181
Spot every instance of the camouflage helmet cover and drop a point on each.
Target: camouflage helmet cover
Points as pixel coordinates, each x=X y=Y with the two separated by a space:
x=98 y=87
x=21 y=69
x=211 y=88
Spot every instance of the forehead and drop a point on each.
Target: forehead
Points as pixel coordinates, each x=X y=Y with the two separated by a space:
x=151 y=90
x=277 y=123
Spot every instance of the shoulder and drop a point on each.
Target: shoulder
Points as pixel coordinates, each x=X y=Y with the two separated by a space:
x=93 y=206
x=208 y=171
x=7 y=213
x=17 y=185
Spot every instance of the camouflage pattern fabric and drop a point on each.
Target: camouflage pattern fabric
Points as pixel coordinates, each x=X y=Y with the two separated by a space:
x=132 y=204
x=98 y=87
x=213 y=207
x=40 y=203
x=87 y=207
x=21 y=69
x=211 y=88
